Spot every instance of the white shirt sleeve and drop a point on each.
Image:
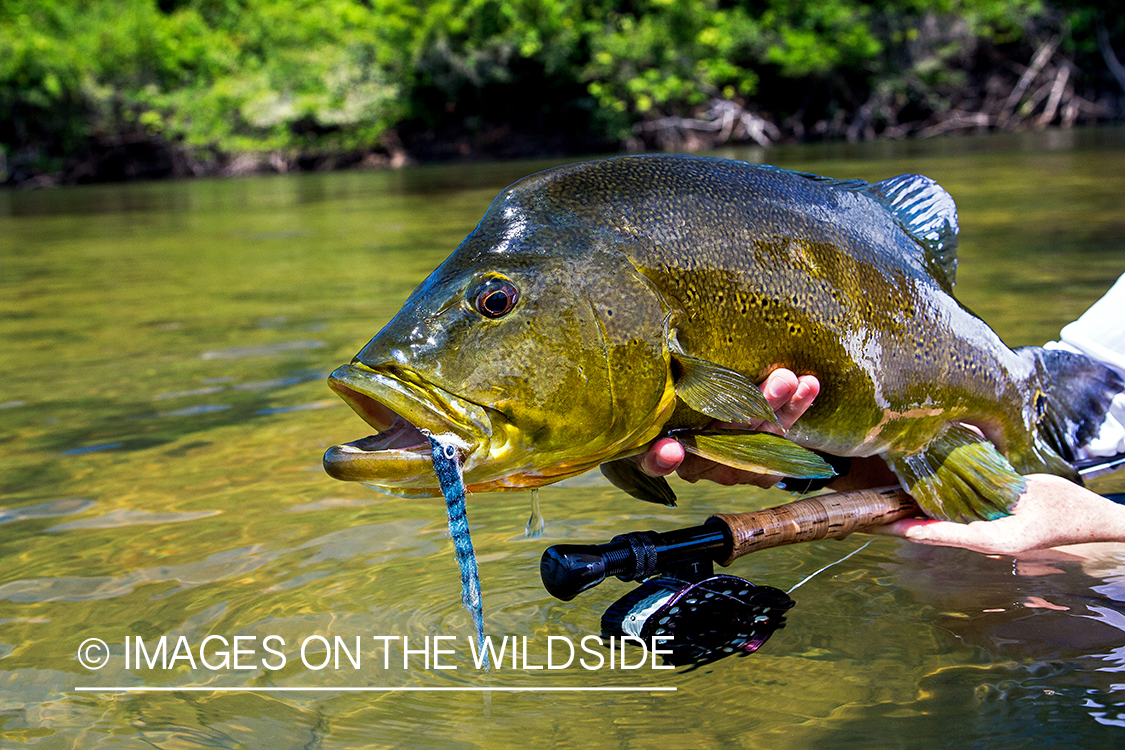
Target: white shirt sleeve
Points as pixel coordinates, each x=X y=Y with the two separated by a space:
x=1100 y=334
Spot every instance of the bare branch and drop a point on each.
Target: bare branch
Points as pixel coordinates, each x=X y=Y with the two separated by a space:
x=723 y=121
x=1055 y=97
x=1042 y=55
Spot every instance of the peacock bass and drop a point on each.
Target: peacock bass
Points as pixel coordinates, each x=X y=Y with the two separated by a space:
x=601 y=305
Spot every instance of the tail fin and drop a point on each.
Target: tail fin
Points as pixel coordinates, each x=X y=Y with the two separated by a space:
x=1074 y=396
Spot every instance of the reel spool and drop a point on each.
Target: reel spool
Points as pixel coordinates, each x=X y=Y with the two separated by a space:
x=704 y=621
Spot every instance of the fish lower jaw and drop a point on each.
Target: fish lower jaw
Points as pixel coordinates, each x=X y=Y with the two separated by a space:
x=397 y=461
x=350 y=463
x=400 y=454
x=404 y=414
x=420 y=492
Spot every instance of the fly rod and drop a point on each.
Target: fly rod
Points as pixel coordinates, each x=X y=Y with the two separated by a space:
x=569 y=569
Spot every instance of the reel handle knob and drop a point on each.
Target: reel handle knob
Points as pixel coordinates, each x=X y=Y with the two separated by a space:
x=569 y=569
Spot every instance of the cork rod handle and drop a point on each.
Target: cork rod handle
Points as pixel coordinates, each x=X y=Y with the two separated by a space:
x=831 y=516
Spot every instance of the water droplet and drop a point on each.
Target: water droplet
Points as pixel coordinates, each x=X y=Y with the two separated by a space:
x=535 y=524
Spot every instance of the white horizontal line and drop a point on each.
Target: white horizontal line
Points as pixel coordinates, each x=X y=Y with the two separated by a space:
x=529 y=689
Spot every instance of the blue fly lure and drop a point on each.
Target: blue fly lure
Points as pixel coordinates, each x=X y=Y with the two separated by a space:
x=447 y=466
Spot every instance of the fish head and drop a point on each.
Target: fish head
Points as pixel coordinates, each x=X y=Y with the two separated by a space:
x=537 y=347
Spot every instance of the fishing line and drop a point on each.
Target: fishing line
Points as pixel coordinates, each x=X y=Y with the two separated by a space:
x=810 y=576
x=447 y=466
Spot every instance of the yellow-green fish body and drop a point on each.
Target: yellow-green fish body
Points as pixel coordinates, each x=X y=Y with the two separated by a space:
x=599 y=305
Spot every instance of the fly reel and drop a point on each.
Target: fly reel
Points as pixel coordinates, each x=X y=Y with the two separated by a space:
x=704 y=616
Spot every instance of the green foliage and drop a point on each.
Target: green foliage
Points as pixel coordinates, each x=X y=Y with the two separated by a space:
x=321 y=76
x=663 y=55
x=256 y=75
x=477 y=41
x=331 y=81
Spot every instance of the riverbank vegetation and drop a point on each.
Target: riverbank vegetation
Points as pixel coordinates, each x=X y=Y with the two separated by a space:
x=95 y=90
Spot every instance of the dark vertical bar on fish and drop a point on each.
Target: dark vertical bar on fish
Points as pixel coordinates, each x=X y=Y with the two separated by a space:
x=447 y=466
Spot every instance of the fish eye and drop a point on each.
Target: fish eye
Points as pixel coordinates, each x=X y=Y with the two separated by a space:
x=494 y=297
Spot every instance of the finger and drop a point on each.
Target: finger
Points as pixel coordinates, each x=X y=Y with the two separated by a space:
x=779 y=387
x=805 y=391
x=901 y=527
x=989 y=537
x=663 y=458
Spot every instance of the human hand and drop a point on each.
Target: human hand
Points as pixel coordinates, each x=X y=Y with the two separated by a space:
x=1052 y=512
x=789 y=396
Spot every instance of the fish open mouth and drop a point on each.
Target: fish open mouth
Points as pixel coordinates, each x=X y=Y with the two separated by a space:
x=402 y=408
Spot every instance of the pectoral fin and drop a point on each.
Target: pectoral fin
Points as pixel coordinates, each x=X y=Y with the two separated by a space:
x=762 y=452
x=625 y=474
x=959 y=477
x=719 y=392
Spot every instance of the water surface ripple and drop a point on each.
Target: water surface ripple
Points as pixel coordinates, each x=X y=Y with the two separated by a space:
x=161 y=425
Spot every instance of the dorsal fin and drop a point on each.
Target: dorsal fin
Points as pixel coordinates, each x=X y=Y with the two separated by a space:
x=923 y=208
x=926 y=212
x=826 y=181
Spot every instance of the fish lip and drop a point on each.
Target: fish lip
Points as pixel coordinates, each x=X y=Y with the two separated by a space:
x=403 y=408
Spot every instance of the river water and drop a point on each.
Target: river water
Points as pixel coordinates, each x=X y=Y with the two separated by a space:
x=163 y=411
